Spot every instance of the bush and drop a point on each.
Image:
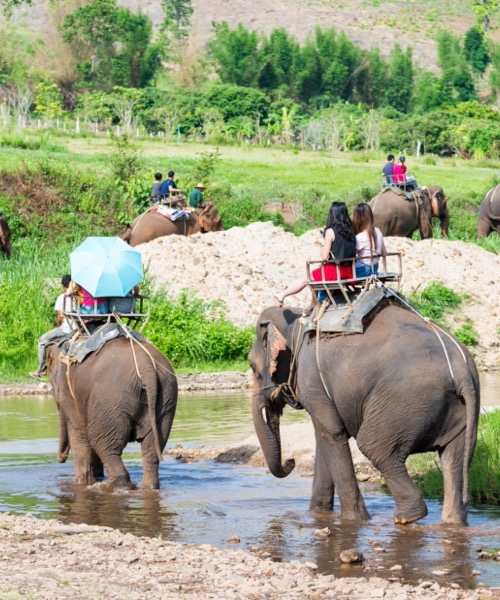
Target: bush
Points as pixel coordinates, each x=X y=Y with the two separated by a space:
x=434 y=301
x=189 y=331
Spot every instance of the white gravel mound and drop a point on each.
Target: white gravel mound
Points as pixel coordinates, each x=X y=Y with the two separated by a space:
x=243 y=267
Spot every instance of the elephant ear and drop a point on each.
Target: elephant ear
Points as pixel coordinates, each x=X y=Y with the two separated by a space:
x=275 y=344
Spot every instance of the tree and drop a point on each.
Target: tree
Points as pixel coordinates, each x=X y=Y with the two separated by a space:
x=484 y=11
x=236 y=54
x=495 y=72
x=475 y=51
x=399 y=88
x=176 y=19
x=116 y=45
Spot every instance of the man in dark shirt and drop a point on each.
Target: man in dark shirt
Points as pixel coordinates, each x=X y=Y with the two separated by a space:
x=388 y=169
x=169 y=187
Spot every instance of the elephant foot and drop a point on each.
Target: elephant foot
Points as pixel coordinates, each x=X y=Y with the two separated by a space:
x=404 y=517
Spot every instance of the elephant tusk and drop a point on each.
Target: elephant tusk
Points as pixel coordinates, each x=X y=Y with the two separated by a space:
x=264 y=415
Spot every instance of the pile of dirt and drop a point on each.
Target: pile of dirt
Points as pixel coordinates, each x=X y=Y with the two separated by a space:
x=241 y=268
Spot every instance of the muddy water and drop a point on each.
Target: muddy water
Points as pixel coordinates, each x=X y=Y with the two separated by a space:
x=213 y=503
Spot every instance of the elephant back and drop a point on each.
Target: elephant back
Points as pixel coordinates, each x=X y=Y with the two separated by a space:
x=493 y=203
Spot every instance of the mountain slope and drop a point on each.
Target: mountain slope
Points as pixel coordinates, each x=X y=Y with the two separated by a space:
x=369 y=23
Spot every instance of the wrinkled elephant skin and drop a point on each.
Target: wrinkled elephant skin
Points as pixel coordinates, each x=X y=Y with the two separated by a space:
x=115 y=396
x=395 y=215
x=390 y=388
x=489 y=213
x=151 y=225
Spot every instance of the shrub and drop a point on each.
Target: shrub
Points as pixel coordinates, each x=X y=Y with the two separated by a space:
x=467 y=334
x=434 y=301
x=189 y=331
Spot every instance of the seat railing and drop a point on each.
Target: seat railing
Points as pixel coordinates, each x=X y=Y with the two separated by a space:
x=347 y=286
x=137 y=318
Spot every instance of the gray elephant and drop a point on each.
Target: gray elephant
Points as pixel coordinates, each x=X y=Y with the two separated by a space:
x=125 y=392
x=390 y=387
x=489 y=213
x=151 y=225
x=5 y=246
x=395 y=215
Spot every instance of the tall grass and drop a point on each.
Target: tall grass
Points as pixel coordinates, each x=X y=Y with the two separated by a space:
x=484 y=474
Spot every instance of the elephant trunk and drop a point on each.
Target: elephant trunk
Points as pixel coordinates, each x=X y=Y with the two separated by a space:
x=267 y=427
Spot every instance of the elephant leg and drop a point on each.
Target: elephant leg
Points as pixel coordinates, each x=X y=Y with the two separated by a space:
x=336 y=453
x=323 y=488
x=483 y=228
x=64 y=447
x=118 y=475
x=452 y=460
x=150 y=462
x=410 y=505
x=82 y=462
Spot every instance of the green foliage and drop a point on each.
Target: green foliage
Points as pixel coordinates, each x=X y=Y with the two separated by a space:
x=434 y=301
x=484 y=11
x=126 y=160
x=234 y=101
x=111 y=45
x=176 y=19
x=24 y=142
x=467 y=334
x=475 y=51
x=484 y=474
x=399 y=89
x=189 y=331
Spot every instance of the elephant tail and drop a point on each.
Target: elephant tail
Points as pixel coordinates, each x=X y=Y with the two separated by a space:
x=149 y=378
x=151 y=387
x=469 y=391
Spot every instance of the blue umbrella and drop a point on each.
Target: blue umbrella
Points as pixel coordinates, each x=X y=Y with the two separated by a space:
x=106 y=266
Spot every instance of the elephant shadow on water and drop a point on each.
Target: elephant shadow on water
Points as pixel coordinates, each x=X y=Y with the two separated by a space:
x=126 y=392
x=402 y=387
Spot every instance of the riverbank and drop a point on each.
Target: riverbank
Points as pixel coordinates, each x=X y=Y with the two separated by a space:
x=201 y=382
x=46 y=559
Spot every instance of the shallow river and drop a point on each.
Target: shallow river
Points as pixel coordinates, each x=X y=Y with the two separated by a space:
x=212 y=503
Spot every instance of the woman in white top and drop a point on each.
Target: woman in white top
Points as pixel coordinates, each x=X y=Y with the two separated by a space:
x=369 y=241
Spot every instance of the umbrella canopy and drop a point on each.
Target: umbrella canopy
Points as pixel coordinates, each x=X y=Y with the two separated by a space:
x=106 y=266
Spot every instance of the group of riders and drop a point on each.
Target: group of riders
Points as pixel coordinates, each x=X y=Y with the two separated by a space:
x=395 y=174
x=165 y=191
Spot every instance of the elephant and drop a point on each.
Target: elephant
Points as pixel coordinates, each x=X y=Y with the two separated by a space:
x=5 y=245
x=395 y=215
x=151 y=225
x=120 y=394
x=489 y=213
x=390 y=387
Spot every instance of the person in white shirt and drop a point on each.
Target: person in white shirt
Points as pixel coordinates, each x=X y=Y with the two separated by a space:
x=369 y=241
x=64 y=328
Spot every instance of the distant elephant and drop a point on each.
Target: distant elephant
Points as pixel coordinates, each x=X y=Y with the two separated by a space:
x=121 y=394
x=395 y=215
x=151 y=225
x=489 y=213
x=5 y=246
x=391 y=388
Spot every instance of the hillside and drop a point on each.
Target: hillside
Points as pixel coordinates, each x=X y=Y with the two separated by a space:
x=369 y=23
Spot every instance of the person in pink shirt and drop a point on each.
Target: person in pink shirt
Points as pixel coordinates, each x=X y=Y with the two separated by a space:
x=398 y=173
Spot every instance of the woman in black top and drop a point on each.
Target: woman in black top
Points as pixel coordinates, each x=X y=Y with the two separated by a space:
x=339 y=243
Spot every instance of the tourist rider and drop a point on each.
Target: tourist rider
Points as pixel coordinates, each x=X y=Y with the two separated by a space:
x=399 y=171
x=388 y=169
x=369 y=241
x=168 y=187
x=339 y=243
x=65 y=327
x=155 y=188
